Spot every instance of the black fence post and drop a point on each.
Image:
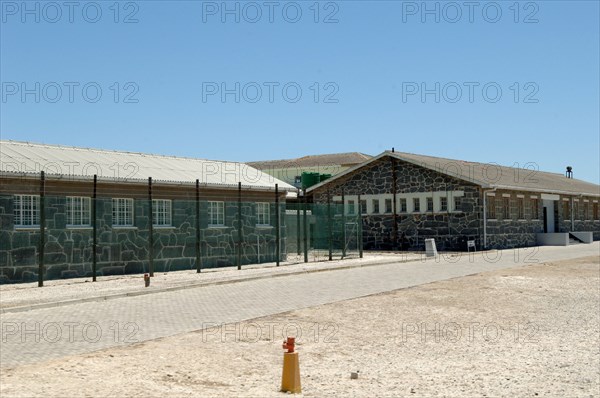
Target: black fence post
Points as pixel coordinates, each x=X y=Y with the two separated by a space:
x=198 y=265
x=42 y=229
x=329 y=226
x=94 y=230
x=298 y=221
x=150 y=229
x=305 y=228
x=343 y=223
x=360 y=237
x=277 y=229
x=239 y=251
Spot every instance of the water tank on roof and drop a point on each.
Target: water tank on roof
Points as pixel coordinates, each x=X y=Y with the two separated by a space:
x=310 y=179
x=324 y=177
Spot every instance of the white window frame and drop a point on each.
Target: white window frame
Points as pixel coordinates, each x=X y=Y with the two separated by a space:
x=79 y=211
x=403 y=209
x=263 y=214
x=32 y=211
x=443 y=203
x=415 y=202
x=216 y=214
x=385 y=205
x=122 y=216
x=429 y=204
x=363 y=209
x=456 y=201
x=351 y=208
x=162 y=213
x=376 y=206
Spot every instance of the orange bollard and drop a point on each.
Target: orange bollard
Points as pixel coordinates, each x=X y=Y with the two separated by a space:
x=290 y=377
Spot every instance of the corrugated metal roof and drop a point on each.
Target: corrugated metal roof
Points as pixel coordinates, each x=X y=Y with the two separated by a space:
x=488 y=175
x=29 y=158
x=332 y=159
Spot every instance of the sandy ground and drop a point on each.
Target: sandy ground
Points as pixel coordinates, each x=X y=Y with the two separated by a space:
x=25 y=294
x=526 y=332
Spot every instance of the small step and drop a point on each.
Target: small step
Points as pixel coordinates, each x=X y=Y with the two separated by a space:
x=573 y=240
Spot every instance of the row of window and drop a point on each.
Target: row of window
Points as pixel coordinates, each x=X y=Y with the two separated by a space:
x=534 y=207
x=566 y=210
x=403 y=205
x=78 y=211
x=534 y=204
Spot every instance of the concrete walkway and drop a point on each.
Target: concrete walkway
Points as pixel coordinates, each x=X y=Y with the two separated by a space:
x=49 y=333
x=26 y=296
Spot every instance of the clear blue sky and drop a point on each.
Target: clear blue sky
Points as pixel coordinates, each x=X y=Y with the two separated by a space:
x=370 y=62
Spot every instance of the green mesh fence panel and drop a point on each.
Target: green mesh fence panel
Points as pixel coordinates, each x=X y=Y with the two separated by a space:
x=322 y=229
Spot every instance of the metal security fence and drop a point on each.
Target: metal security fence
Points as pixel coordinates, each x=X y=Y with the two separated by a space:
x=91 y=229
x=318 y=232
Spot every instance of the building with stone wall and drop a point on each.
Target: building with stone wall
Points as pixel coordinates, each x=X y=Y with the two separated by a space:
x=226 y=196
x=404 y=199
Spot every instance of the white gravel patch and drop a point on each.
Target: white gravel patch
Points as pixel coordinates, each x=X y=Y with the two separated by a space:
x=548 y=316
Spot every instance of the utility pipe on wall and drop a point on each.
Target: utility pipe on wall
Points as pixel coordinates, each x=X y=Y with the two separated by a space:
x=484 y=193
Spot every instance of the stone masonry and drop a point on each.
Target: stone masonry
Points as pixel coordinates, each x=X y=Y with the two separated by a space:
x=125 y=250
x=452 y=228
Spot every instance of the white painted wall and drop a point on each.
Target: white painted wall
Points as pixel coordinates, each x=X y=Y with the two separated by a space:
x=553 y=239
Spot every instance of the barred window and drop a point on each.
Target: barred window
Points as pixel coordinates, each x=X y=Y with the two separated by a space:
x=263 y=215
x=443 y=204
x=506 y=208
x=122 y=212
x=586 y=210
x=388 y=205
x=429 y=204
x=456 y=204
x=403 y=206
x=576 y=210
x=521 y=208
x=566 y=210
x=26 y=210
x=416 y=205
x=596 y=211
x=363 y=207
x=375 y=206
x=216 y=214
x=78 y=211
x=351 y=207
x=161 y=213
x=535 y=209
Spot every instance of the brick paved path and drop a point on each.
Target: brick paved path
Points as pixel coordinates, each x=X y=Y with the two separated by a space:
x=44 y=334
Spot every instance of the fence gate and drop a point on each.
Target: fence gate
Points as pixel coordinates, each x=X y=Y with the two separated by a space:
x=351 y=234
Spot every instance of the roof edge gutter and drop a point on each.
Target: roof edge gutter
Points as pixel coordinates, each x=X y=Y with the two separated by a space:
x=142 y=182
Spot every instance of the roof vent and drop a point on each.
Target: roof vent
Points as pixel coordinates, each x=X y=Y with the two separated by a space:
x=569 y=173
x=392 y=149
